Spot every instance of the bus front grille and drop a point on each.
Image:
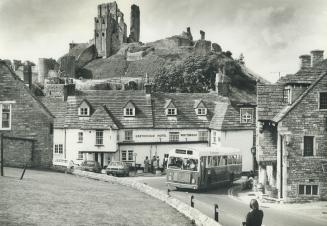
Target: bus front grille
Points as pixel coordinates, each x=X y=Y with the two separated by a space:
x=182 y=177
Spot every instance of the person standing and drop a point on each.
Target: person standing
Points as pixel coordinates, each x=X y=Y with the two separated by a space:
x=146 y=164
x=153 y=162
x=255 y=216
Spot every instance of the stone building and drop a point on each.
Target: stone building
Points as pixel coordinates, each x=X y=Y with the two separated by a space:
x=25 y=123
x=292 y=132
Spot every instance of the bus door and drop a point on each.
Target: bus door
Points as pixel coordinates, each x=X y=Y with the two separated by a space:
x=203 y=161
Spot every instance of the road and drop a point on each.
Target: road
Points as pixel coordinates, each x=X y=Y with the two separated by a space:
x=231 y=211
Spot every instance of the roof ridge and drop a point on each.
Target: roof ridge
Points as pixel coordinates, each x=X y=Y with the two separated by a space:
x=287 y=109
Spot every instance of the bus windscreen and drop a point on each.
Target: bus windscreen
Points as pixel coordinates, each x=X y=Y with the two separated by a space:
x=183 y=163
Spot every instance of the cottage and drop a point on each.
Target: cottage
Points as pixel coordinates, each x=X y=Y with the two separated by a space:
x=292 y=132
x=26 y=125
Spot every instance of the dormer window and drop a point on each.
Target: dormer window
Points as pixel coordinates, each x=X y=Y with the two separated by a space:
x=287 y=98
x=171 y=111
x=200 y=108
x=129 y=109
x=201 y=111
x=170 y=108
x=246 y=115
x=84 y=109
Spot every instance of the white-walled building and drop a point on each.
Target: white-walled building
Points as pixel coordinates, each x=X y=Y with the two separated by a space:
x=107 y=125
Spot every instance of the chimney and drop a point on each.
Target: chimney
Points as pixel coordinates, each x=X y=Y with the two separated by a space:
x=69 y=88
x=317 y=56
x=27 y=72
x=222 y=83
x=147 y=84
x=203 y=35
x=72 y=45
x=305 y=61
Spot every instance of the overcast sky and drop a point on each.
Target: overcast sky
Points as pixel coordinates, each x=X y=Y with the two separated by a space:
x=270 y=34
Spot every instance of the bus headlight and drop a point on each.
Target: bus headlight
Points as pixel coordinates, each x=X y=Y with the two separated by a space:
x=193 y=181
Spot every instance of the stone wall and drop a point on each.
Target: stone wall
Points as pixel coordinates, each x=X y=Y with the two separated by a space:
x=29 y=120
x=307 y=120
x=267 y=143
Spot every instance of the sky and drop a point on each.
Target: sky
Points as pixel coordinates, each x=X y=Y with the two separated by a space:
x=271 y=34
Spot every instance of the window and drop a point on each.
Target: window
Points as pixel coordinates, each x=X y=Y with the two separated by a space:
x=246 y=115
x=323 y=100
x=127 y=155
x=80 y=137
x=308 y=189
x=129 y=112
x=201 y=111
x=173 y=136
x=80 y=155
x=128 y=135
x=5 y=116
x=214 y=137
x=308 y=146
x=102 y=34
x=171 y=111
x=203 y=136
x=99 y=137
x=83 y=111
x=58 y=149
x=287 y=96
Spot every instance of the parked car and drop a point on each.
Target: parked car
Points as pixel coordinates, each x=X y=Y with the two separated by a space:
x=91 y=166
x=117 y=169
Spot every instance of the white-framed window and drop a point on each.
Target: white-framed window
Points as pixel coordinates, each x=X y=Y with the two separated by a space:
x=5 y=116
x=129 y=112
x=173 y=136
x=311 y=189
x=80 y=137
x=203 y=135
x=127 y=155
x=323 y=100
x=128 y=135
x=99 y=137
x=214 y=137
x=84 y=111
x=80 y=155
x=171 y=111
x=58 y=149
x=287 y=97
x=246 y=115
x=201 y=111
x=308 y=146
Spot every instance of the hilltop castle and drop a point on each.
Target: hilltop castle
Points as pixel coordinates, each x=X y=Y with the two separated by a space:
x=110 y=30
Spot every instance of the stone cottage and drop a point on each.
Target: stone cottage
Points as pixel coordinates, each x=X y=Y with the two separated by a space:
x=292 y=132
x=26 y=125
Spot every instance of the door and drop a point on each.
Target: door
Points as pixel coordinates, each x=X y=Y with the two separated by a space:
x=102 y=159
x=203 y=161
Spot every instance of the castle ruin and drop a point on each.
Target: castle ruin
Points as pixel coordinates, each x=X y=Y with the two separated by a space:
x=111 y=30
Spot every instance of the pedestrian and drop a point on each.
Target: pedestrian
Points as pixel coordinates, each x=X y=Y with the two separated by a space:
x=255 y=216
x=158 y=161
x=146 y=164
x=153 y=162
x=165 y=161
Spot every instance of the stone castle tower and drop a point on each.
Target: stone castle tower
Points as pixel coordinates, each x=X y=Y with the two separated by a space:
x=111 y=31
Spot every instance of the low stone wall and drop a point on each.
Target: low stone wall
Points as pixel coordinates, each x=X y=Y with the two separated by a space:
x=191 y=213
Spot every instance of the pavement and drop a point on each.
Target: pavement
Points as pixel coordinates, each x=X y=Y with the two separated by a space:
x=314 y=209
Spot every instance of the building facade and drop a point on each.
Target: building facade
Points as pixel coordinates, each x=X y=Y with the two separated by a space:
x=25 y=123
x=292 y=133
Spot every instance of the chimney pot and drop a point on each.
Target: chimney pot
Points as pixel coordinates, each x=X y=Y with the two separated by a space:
x=317 y=56
x=305 y=61
x=27 y=72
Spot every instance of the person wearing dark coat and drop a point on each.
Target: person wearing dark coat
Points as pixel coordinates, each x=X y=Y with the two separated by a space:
x=255 y=216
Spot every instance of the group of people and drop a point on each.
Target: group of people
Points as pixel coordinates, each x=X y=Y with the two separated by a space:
x=151 y=166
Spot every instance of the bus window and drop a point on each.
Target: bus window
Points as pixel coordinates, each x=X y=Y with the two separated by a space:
x=229 y=159
x=183 y=164
x=223 y=161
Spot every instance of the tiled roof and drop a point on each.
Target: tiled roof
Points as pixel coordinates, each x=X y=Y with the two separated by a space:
x=100 y=119
x=114 y=101
x=270 y=100
x=57 y=106
x=4 y=69
x=227 y=117
x=186 y=116
x=287 y=109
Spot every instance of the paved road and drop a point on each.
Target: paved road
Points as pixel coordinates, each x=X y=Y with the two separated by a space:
x=231 y=211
